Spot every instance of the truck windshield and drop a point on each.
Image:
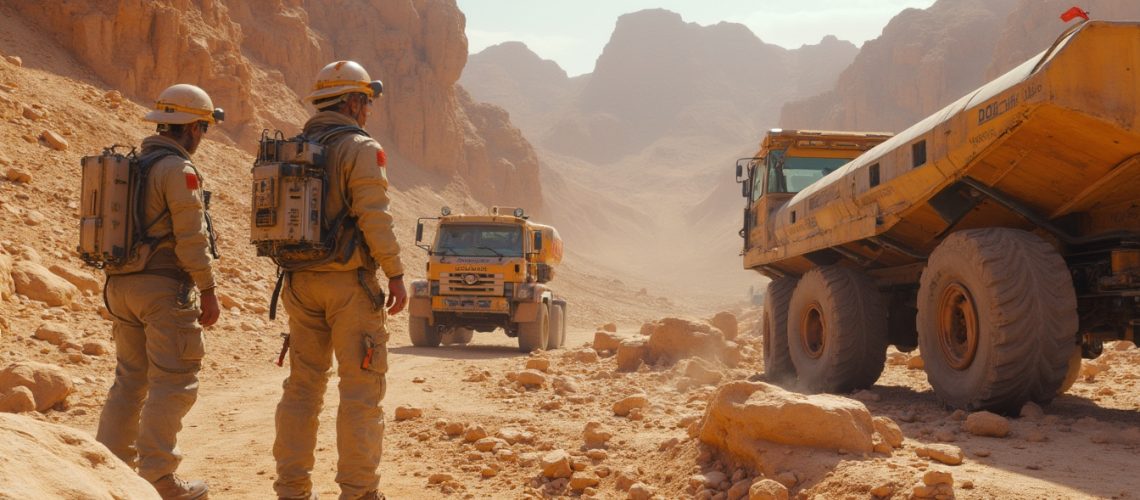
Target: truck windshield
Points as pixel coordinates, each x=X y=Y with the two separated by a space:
x=798 y=172
x=470 y=240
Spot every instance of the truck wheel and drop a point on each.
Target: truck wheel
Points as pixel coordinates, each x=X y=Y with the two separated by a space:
x=557 y=326
x=534 y=335
x=997 y=317
x=837 y=330
x=774 y=330
x=1072 y=373
x=422 y=334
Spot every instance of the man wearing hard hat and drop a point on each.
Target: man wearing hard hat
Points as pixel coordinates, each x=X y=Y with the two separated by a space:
x=337 y=307
x=161 y=299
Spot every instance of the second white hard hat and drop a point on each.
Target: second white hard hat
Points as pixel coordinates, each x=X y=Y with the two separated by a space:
x=343 y=77
x=184 y=103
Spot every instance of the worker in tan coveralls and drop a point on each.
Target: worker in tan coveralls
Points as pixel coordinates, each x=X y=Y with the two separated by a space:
x=162 y=298
x=337 y=307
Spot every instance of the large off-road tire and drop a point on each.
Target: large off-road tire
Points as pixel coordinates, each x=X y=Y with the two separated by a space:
x=997 y=318
x=457 y=336
x=1073 y=371
x=778 y=366
x=557 y=335
x=535 y=334
x=422 y=334
x=837 y=330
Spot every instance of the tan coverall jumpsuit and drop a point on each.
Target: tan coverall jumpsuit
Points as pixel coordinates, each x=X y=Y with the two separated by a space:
x=158 y=341
x=331 y=312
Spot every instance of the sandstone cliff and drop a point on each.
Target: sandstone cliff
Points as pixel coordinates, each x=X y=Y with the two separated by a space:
x=257 y=59
x=923 y=60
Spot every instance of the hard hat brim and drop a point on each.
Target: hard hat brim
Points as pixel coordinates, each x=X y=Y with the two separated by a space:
x=176 y=117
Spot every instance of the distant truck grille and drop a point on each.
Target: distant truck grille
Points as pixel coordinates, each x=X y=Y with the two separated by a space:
x=470 y=284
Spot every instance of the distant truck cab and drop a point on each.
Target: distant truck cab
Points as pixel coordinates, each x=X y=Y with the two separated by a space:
x=487 y=272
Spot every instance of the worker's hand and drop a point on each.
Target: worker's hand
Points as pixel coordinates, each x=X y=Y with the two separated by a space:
x=397 y=296
x=210 y=309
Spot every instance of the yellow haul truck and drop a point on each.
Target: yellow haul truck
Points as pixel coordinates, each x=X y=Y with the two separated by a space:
x=1000 y=234
x=486 y=272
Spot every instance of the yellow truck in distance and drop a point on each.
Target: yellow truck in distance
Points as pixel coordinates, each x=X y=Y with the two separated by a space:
x=1001 y=235
x=486 y=272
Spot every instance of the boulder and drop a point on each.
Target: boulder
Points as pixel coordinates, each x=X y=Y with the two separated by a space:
x=767 y=489
x=556 y=465
x=46 y=460
x=741 y=413
x=579 y=483
x=889 y=430
x=531 y=378
x=944 y=453
x=38 y=283
x=540 y=364
x=82 y=280
x=676 y=339
x=630 y=354
x=474 y=433
x=984 y=423
x=54 y=140
x=702 y=373
x=607 y=341
x=626 y=405
x=726 y=322
x=53 y=333
x=17 y=400
x=7 y=286
x=49 y=383
x=595 y=436
x=404 y=412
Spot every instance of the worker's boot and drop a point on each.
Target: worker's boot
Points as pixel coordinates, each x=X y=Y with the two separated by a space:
x=373 y=495
x=172 y=487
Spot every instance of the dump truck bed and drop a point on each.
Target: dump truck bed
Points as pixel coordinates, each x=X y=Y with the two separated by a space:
x=1050 y=146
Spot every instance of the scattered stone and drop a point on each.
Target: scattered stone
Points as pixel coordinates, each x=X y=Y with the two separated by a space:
x=915 y=363
x=82 y=280
x=625 y=480
x=740 y=413
x=418 y=380
x=945 y=436
x=17 y=400
x=540 y=364
x=1035 y=436
x=640 y=491
x=556 y=464
x=883 y=490
x=32 y=113
x=34 y=218
x=981 y=452
x=488 y=472
x=767 y=489
x=1031 y=411
x=474 y=434
x=889 y=430
x=585 y=355
x=937 y=477
x=1090 y=369
x=625 y=406
x=726 y=322
x=404 y=412
x=14 y=60
x=630 y=354
x=49 y=384
x=563 y=385
x=606 y=341
x=38 y=283
x=678 y=338
x=7 y=285
x=609 y=327
x=596 y=454
x=440 y=477
x=18 y=175
x=454 y=428
x=739 y=489
x=897 y=359
x=595 y=436
x=95 y=348
x=984 y=423
x=944 y=453
x=866 y=396
x=54 y=140
x=53 y=333
x=490 y=444
x=701 y=373
x=514 y=435
x=579 y=483
x=531 y=378
x=787 y=478
x=648 y=328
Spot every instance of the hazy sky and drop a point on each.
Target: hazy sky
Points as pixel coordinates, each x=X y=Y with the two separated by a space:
x=573 y=33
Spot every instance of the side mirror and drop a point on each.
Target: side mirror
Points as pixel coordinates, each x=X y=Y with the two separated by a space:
x=537 y=241
x=419 y=232
x=745 y=189
x=739 y=171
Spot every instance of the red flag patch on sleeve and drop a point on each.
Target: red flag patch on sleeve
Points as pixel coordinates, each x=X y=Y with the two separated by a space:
x=381 y=158
x=191 y=182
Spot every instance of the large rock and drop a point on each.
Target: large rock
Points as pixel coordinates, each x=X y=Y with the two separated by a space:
x=17 y=400
x=82 y=280
x=631 y=353
x=984 y=423
x=7 y=286
x=45 y=460
x=49 y=383
x=677 y=338
x=38 y=283
x=742 y=413
x=607 y=341
x=556 y=464
x=726 y=322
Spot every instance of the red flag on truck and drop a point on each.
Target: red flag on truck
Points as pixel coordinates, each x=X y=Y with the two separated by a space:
x=1074 y=13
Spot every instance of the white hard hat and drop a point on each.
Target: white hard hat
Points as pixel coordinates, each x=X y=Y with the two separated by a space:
x=184 y=103
x=341 y=78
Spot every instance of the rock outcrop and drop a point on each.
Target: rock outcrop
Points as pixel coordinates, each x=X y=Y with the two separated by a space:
x=49 y=384
x=257 y=60
x=46 y=460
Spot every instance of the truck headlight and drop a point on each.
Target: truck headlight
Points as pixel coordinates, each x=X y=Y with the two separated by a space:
x=420 y=288
x=524 y=292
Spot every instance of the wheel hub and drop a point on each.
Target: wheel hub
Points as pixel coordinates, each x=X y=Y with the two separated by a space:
x=812 y=329
x=958 y=327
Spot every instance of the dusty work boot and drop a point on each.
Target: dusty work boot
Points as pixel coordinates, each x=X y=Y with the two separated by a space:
x=172 y=487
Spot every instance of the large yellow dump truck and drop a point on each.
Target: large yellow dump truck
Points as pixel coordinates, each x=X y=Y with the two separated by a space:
x=1001 y=235
x=487 y=272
